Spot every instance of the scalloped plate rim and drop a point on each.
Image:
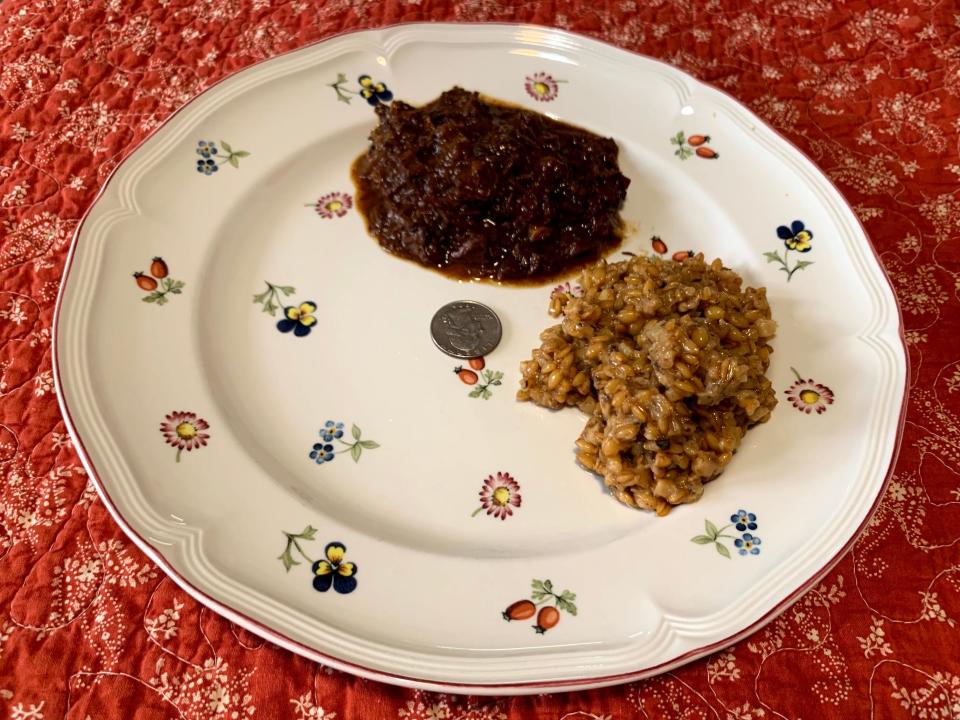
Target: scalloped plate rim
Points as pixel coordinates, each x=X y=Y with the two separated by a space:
x=581 y=42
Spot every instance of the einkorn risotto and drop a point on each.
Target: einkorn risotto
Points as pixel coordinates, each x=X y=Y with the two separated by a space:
x=669 y=361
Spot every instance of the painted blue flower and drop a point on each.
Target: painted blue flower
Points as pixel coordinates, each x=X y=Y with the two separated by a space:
x=374 y=92
x=321 y=453
x=331 y=431
x=206 y=148
x=747 y=545
x=334 y=570
x=744 y=520
x=300 y=319
x=207 y=167
x=796 y=237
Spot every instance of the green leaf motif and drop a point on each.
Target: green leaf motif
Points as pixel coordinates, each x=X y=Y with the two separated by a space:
x=226 y=146
x=355 y=431
x=801 y=264
x=287 y=559
x=242 y=154
x=542 y=590
x=701 y=540
x=564 y=604
x=269 y=298
x=355 y=451
x=488 y=378
x=773 y=256
x=342 y=95
x=233 y=161
x=369 y=444
x=712 y=530
x=722 y=549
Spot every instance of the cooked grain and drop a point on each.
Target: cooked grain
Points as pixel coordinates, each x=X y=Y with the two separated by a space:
x=669 y=360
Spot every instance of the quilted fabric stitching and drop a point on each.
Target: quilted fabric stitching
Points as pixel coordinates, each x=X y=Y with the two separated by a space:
x=89 y=628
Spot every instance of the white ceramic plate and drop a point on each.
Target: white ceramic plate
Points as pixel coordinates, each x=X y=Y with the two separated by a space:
x=268 y=221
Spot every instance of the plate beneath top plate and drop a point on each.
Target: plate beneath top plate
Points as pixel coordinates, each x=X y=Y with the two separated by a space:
x=264 y=412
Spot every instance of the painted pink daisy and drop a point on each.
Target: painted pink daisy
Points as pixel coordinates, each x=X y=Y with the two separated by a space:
x=565 y=288
x=498 y=496
x=184 y=431
x=808 y=396
x=333 y=204
x=542 y=87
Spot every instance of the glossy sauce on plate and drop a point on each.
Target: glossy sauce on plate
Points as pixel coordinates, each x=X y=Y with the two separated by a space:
x=480 y=189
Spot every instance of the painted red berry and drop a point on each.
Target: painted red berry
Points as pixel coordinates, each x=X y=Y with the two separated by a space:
x=467 y=377
x=658 y=245
x=478 y=363
x=547 y=618
x=145 y=282
x=698 y=140
x=520 y=610
x=709 y=153
x=158 y=268
x=682 y=255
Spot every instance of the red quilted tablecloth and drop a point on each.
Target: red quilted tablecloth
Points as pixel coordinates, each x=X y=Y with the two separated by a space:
x=89 y=628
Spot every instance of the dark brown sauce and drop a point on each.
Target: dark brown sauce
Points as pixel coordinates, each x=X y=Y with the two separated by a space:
x=479 y=189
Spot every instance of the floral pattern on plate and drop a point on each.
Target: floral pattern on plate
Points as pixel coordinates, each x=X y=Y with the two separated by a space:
x=211 y=158
x=332 y=432
x=332 y=570
x=542 y=593
x=184 y=431
x=158 y=282
x=298 y=319
x=795 y=238
x=373 y=91
x=332 y=205
x=746 y=544
x=567 y=288
x=808 y=396
x=475 y=373
x=693 y=145
x=542 y=86
x=498 y=496
x=660 y=247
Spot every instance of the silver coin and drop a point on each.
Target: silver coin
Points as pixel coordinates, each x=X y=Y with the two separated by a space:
x=466 y=329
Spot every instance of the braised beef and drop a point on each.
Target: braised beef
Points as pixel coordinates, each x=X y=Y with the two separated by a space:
x=479 y=189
